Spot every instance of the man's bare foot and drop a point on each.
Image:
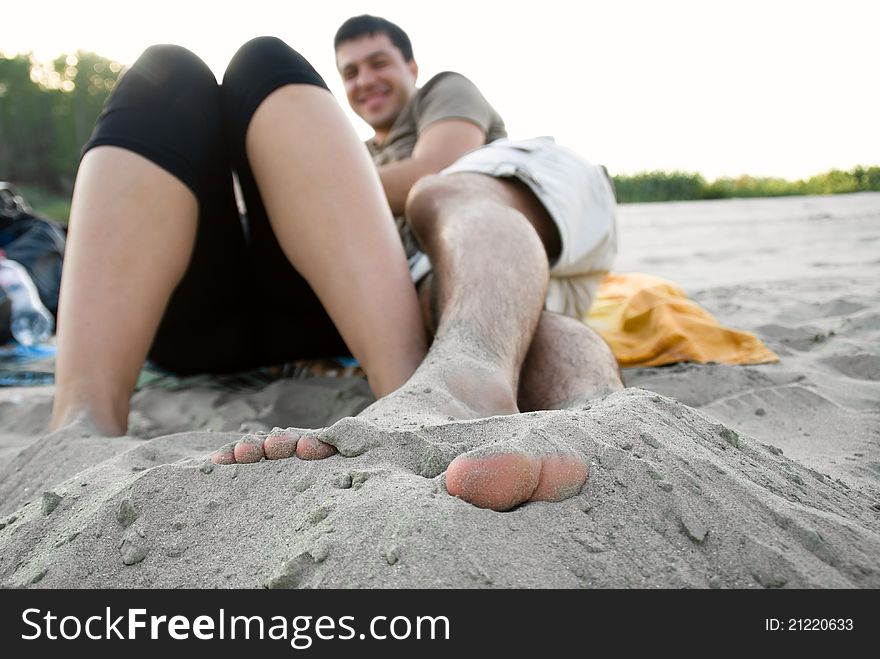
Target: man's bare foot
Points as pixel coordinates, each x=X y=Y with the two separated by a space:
x=459 y=388
x=439 y=392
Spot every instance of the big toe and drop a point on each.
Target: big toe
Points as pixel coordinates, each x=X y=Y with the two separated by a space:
x=562 y=477
x=502 y=481
x=499 y=481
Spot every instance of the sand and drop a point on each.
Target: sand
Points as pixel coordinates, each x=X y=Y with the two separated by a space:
x=702 y=476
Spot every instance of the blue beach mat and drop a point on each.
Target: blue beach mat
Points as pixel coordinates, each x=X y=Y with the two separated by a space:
x=34 y=366
x=27 y=366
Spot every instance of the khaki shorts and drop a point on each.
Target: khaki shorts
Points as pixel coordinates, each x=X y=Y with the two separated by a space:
x=577 y=195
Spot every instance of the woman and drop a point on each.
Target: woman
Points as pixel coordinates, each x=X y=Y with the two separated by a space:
x=159 y=263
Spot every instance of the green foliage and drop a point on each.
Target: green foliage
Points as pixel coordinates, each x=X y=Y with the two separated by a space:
x=659 y=186
x=47 y=112
x=664 y=186
x=26 y=128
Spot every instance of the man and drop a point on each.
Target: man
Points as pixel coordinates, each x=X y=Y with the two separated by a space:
x=510 y=229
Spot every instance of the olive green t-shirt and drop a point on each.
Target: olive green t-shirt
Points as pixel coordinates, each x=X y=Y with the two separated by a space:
x=447 y=95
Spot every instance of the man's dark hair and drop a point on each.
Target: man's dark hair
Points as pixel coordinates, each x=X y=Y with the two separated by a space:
x=366 y=25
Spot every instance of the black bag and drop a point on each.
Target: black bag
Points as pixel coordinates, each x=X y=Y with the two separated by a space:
x=37 y=243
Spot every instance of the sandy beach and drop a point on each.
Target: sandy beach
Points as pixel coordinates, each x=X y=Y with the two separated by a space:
x=701 y=476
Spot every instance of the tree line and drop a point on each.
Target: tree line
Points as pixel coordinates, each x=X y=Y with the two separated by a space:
x=47 y=112
x=683 y=186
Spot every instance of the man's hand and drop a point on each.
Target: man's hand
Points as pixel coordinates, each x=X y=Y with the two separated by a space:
x=439 y=145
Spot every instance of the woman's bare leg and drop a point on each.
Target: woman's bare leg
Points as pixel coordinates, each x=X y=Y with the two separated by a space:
x=132 y=229
x=329 y=214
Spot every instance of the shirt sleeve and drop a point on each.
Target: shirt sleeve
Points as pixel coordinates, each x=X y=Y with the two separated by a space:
x=452 y=96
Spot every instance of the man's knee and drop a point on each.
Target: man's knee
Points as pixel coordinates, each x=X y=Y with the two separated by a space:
x=425 y=201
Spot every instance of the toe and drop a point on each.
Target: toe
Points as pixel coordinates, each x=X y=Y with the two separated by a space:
x=562 y=476
x=502 y=481
x=499 y=482
x=224 y=456
x=249 y=449
x=312 y=448
x=281 y=445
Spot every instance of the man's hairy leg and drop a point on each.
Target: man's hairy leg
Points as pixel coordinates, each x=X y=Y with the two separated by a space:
x=489 y=240
x=567 y=364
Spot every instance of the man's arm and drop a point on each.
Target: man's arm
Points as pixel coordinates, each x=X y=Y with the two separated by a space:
x=439 y=145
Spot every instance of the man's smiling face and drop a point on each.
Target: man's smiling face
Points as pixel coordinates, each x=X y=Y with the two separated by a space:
x=378 y=81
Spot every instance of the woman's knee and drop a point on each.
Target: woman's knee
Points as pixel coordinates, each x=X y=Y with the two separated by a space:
x=258 y=54
x=258 y=68
x=166 y=108
x=169 y=69
x=167 y=92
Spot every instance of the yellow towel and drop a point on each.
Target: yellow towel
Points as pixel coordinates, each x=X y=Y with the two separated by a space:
x=649 y=321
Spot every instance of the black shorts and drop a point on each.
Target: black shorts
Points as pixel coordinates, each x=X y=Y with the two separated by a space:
x=241 y=304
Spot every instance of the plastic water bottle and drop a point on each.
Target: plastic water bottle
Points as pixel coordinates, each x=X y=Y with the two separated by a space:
x=31 y=321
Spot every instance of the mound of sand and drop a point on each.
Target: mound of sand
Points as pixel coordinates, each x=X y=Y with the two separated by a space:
x=674 y=498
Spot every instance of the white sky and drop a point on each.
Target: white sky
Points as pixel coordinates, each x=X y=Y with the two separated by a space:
x=766 y=87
